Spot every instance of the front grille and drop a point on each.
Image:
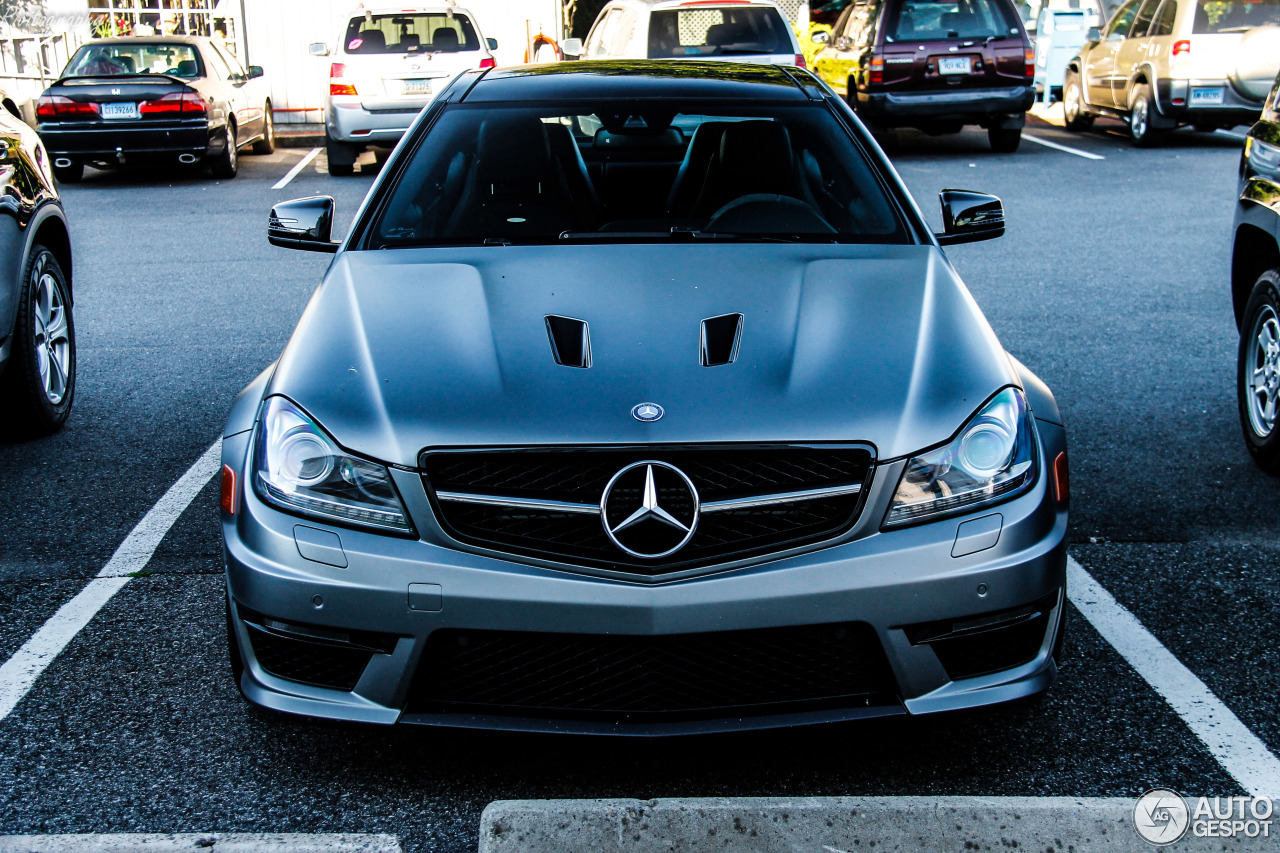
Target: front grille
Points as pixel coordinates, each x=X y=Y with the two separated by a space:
x=634 y=678
x=321 y=664
x=580 y=475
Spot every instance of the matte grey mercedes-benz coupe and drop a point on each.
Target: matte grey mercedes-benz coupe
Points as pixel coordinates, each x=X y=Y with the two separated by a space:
x=640 y=399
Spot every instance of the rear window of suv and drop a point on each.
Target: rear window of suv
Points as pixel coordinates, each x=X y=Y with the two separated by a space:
x=939 y=20
x=410 y=33
x=717 y=32
x=1215 y=16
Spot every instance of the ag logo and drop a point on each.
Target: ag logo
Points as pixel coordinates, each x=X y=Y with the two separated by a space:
x=1161 y=816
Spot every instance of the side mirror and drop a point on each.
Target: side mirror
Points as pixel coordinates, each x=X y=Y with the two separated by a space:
x=820 y=37
x=318 y=49
x=255 y=71
x=968 y=217
x=493 y=43
x=571 y=47
x=1094 y=35
x=304 y=223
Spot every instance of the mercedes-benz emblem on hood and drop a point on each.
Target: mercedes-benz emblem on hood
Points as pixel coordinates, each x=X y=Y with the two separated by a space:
x=650 y=509
x=647 y=412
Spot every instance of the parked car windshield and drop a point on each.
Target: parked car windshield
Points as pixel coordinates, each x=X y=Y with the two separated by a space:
x=410 y=32
x=649 y=171
x=717 y=32
x=1216 y=16
x=97 y=60
x=936 y=20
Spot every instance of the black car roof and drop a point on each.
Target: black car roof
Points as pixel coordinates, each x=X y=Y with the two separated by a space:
x=610 y=79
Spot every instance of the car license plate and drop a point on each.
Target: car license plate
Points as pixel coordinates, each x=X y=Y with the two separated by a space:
x=417 y=87
x=129 y=110
x=953 y=65
x=1206 y=97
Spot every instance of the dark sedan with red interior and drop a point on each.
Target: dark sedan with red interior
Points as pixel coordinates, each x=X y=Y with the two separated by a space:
x=174 y=98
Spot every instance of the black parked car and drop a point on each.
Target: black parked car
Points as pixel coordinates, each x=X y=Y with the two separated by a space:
x=1255 y=286
x=176 y=98
x=37 y=335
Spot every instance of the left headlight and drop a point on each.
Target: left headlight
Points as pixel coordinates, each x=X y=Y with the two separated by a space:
x=297 y=467
x=991 y=460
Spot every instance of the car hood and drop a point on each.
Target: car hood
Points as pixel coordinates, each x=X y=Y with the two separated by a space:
x=403 y=350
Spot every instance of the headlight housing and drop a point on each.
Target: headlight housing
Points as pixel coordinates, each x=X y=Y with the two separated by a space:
x=297 y=467
x=992 y=459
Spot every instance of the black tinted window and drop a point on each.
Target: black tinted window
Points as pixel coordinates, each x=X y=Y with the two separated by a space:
x=410 y=32
x=1146 y=12
x=935 y=20
x=717 y=32
x=95 y=60
x=1163 y=24
x=1216 y=16
x=1120 y=22
x=517 y=174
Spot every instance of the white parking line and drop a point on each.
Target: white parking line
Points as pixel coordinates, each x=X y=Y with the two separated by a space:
x=1237 y=749
x=20 y=672
x=1076 y=151
x=298 y=167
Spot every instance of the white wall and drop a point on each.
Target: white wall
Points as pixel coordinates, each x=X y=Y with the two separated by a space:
x=278 y=32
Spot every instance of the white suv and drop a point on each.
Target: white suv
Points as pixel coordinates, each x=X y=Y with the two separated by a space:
x=734 y=30
x=388 y=65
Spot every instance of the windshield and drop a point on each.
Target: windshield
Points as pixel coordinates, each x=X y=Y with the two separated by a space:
x=410 y=33
x=717 y=32
x=1215 y=16
x=938 y=20
x=660 y=171
x=98 y=60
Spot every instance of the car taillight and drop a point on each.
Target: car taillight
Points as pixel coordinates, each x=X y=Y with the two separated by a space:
x=1031 y=62
x=336 y=72
x=800 y=63
x=58 y=106
x=488 y=62
x=175 y=103
x=1182 y=47
x=876 y=73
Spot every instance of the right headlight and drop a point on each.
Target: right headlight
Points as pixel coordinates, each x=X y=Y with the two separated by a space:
x=991 y=460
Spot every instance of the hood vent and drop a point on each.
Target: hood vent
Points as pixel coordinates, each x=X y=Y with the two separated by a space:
x=720 y=339
x=570 y=341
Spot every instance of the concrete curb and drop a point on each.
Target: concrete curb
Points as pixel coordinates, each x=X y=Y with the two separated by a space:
x=828 y=825
x=194 y=842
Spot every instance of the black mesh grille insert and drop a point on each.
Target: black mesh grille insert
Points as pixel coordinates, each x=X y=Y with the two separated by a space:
x=992 y=651
x=321 y=664
x=616 y=677
x=579 y=475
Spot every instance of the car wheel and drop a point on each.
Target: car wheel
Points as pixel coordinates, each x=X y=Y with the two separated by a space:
x=72 y=174
x=342 y=160
x=39 y=381
x=1073 y=105
x=1004 y=140
x=267 y=143
x=1142 y=119
x=226 y=163
x=1258 y=372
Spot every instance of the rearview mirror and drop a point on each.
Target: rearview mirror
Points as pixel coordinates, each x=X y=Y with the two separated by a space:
x=1093 y=34
x=255 y=71
x=493 y=43
x=571 y=48
x=820 y=37
x=968 y=217
x=304 y=223
x=318 y=49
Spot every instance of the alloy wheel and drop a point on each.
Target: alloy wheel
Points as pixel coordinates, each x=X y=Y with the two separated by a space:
x=52 y=337
x=1138 y=119
x=1071 y=103
x=1264 y=372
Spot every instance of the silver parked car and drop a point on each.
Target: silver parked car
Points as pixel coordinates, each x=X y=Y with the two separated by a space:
x=539 y=457
x=737 y=30
x=389 y=64
x=1159 y=64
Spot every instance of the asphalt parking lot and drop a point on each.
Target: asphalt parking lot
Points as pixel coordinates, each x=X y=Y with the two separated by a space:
x=1111 y=283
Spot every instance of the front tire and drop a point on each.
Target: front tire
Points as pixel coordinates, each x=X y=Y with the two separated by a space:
x=39 y=382
x=1258 y=372
x=1143 y=121
x=267 y=143
x=341 y=157
x=1004 y=140
x=1073 y=110
x=226 y=163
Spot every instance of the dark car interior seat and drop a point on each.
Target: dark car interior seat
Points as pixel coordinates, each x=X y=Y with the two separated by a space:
x=754 y=158
x=408 y=42
x=187 y=68
x=514 y=186
x=371 y=41
x=573 y=169
x=126 y=62
x=445 y=39
x=693 y=169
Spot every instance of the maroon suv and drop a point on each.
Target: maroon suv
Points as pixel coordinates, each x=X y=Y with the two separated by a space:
x=935 y=65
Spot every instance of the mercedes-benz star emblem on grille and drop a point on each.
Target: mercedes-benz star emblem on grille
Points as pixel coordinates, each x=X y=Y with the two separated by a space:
x=647 y=412
x=650 y=509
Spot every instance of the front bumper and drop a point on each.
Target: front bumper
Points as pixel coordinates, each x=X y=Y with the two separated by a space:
x=116 y=142
x=969 y=106
x=404 y=589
